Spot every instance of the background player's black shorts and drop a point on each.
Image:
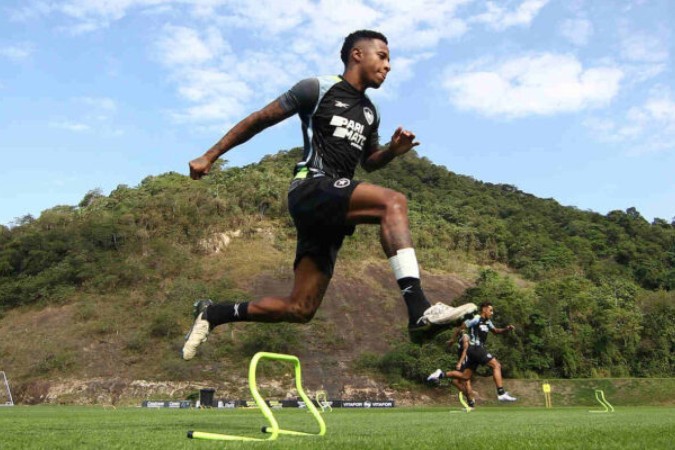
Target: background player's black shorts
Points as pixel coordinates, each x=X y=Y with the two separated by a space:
x=477 y=356
x=319 y=208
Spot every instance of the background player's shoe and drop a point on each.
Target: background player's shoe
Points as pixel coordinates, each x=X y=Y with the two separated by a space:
x=442 y=314
x=506 y=397
x=436 y=376
x=199 y=331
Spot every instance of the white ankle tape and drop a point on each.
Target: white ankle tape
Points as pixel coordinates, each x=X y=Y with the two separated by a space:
x=404 y=264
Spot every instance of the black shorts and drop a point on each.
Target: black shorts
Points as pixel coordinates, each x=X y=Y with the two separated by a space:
x=319 y=209
x=477 y=356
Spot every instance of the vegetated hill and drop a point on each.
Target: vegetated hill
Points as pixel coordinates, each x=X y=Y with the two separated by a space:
x=104 y=289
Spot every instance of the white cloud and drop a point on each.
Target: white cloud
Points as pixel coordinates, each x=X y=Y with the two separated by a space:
x=267 y=17
x=499 y=17
x=204 y=72
x=70 y=126
x=224 y=110
x=280 y=42
x=105 y=11
x=420 y=24
x=578 y=31
x=644 y=55
x=270 y=72
x=90 y=15
x=629 y=5
x=541 y=84
x=181 y=45
x=646 y=128
x=28 y=11
x=644 y=48
x=221 y=82
x=99 y=103
x=17 y=52
x=90 y=114
x=638 y=73
x=202 y=84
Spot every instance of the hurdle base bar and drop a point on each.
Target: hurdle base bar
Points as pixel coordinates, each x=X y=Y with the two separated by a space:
x=288 y=432
x=220 y=437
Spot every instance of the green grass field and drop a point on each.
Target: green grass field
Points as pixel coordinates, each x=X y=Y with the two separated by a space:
x=507 y=427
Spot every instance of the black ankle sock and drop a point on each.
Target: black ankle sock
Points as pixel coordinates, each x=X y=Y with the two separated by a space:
x=500 y=391
x=415 y=300
x=221 y=313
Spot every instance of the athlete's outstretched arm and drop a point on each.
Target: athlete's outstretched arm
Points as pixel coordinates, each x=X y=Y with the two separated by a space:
x=256 y=122
x=506 y=329
x=401 y=142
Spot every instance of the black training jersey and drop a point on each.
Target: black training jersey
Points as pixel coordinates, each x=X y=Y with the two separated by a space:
x=339 y=124
x=478 y=329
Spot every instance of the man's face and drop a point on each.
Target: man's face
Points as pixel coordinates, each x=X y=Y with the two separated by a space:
x=374 y=61
x=487 y=312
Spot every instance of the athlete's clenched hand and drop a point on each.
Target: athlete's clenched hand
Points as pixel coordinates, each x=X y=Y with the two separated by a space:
x=199 y=167
x=402 y=141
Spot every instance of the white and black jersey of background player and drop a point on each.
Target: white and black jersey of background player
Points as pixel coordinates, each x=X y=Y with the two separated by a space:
x=340 y=129
x=478 y=329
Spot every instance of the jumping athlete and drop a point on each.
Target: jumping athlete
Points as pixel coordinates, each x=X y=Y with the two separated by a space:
x=340 y=130
x=478 y=328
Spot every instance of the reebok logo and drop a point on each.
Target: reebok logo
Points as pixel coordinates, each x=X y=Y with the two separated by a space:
x=339 y=104
x=407 y=290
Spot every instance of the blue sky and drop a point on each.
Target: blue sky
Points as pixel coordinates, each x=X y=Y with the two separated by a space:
x=572 y=100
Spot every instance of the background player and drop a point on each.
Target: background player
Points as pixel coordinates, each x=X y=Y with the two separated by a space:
x=477 y=354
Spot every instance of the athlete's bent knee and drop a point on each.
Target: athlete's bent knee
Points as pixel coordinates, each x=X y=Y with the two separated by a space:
x=397 y=203
x=300 y=313
x=396 y=207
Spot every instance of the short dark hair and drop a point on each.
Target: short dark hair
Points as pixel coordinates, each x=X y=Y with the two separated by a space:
x=485 y=305
x=356 y=36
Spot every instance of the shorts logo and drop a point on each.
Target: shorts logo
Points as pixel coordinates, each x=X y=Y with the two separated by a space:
x=370 y=117
x=489 y=355
x=342 y=183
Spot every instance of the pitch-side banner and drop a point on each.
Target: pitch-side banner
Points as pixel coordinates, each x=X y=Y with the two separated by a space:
x=273 y=404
